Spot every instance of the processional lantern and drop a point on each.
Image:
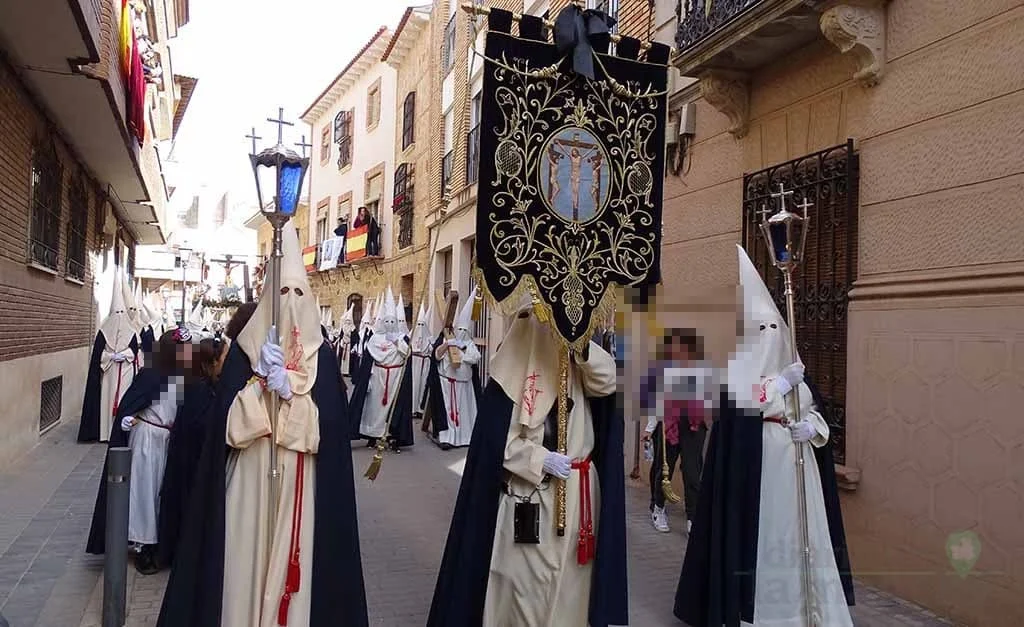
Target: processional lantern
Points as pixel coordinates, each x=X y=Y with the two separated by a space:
x=284 y=170
x=785 y=235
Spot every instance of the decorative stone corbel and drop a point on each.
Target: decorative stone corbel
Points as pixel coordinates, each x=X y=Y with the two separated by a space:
x=860 y=30
x=729 y=93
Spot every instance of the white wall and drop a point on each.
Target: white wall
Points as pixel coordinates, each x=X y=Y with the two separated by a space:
x=368 y=150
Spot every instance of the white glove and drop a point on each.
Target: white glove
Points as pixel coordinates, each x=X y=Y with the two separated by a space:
x=277 y=381
x=557 y=465
x=118 y=358
x=790 y=377
x=127 y=423
x=802 y=431
x=271 y=355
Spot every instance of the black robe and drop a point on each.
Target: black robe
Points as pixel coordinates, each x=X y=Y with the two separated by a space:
x=147 y=338
x=196 y=584
x=400 y=429
x=433 y=400
x=354 y=354
x=89 y=427
x=716 y=585
x=465 y=567
x=145 y=387
x=186 y=443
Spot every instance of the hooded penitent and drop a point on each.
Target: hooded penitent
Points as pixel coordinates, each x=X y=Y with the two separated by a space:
x=455 y=387
x=348 y=326
x=747 y=517
x=112 y=367
x=402 y=323
x=422 y=343
x=225 y=573
x=378 y=389
x=485 y=576
x=196 y=319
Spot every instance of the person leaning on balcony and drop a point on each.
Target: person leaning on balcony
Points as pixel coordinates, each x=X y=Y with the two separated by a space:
x=341 y=232
x=364 y=217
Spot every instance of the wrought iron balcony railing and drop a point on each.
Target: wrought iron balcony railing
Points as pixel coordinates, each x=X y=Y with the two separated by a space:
x=446 y=171
x=473 y=154
x=700 y=18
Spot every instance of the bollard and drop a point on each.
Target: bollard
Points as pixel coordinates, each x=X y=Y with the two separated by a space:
x=115 y=563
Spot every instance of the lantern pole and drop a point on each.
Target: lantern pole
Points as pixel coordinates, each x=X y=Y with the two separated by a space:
x=786 y=262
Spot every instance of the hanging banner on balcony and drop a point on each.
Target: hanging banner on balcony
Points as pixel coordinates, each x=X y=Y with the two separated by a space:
x=572 y=160
x=329 y=250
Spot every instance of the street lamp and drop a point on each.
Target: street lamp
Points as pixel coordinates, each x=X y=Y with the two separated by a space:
x=184 y=254
x=288 y=170
x=785 y=234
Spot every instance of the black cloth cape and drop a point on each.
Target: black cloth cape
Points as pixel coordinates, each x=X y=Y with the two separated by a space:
x=717 y=582
x=354 y=355
x=465 y=568
x=147 y=338
x=186 y=444
x=196 y=584
x=89 y=427
x=433 y=400
x=145 y=387
x=400 y=429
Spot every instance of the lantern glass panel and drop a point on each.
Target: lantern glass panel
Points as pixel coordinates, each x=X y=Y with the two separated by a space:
x=290 y=181
x=266 y=180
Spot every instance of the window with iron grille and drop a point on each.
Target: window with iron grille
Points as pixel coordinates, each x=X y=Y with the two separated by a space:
x=78 y=224
x=47 y=174
x=50 y=401
x=448 y=52
x=409 y=120
x=403 y=203
x=343 y=137
x=828 y=180
x=446 y=171
x=473 y=154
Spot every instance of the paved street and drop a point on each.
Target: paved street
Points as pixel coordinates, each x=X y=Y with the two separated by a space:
x=46 y=580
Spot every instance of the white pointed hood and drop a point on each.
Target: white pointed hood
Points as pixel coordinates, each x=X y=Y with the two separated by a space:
x=420 y=332
x=196 y=319
x=387 y=320
x=348 y=323
x=764 y=350
x=117 y=327
x=366 y=322
x=432 y=322
x=464 y=320
x=129 y=302
x=403 y=324
x=152 y=316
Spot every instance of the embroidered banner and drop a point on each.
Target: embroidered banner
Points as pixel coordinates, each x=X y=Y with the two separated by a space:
x=329 y=250
x=570 y=185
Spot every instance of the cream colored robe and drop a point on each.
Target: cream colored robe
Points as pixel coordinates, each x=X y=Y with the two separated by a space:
x=779 y=590
x=386 y=372
x=542 y=585
x=117 y=377
x=149 y=443
x=464 y=401
x=254 y=573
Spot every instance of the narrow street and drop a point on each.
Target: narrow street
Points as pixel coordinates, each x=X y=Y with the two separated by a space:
x=46 y=579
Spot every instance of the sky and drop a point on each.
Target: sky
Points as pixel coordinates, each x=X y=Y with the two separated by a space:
x=251 y=57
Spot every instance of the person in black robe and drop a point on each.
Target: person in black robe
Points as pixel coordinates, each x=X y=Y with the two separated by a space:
x=195 y=587
x=146 y=339
x=435 y=415
x=186 y=444
x=462 y=582
x=145 y=389
x=717 y=583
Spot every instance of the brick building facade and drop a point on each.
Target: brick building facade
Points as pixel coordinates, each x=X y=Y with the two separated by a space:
x=72 y=181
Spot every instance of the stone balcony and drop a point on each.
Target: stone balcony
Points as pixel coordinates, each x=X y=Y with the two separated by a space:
x=723 y=42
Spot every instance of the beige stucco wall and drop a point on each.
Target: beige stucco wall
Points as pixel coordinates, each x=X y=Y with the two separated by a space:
x=936 y=322
x=20 y=381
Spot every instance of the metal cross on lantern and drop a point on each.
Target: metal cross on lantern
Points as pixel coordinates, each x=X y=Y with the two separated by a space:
x=289 y=169
x=304 y=145
x=785 y=234
x=253 y=136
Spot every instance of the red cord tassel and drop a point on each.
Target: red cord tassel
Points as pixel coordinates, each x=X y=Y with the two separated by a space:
x=292 y=579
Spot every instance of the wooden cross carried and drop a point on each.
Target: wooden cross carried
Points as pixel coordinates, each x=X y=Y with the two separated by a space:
x=451 y=310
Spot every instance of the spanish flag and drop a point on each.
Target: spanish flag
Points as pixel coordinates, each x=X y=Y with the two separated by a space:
x=127 y=36
x=309 y=258
x=356 y=246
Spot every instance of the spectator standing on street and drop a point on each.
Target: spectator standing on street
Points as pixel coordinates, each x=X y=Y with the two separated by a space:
x=679 y=371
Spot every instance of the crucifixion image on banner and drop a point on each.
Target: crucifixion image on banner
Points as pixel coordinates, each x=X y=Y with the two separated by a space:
x=574 y=176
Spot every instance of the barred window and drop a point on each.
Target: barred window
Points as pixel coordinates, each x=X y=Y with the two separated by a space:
x=448 y=53
x=409 y=120
x=343 y=137
x=77 y=228
x=44 y=239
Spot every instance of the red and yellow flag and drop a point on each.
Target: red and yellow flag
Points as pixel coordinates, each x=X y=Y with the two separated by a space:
x=355 y=247
x=126 y=36
x=309 y=258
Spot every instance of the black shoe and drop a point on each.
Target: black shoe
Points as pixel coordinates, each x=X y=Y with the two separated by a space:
x=145 y=561
x=445 y=446
x=371 y=442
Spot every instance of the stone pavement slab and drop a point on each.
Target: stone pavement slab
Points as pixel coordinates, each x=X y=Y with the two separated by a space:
x=46 y=580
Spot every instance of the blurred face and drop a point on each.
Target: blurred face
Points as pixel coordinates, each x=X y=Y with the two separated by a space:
x=184 y=356
x=677 y=351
